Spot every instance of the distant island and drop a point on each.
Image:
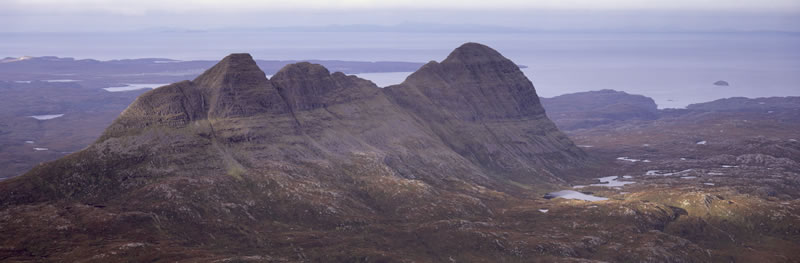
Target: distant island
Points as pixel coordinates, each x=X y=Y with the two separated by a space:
x=721 y=83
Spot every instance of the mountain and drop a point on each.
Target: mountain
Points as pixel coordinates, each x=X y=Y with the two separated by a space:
x=235 y=163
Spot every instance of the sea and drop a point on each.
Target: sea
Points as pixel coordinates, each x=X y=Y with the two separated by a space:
x=674 y=68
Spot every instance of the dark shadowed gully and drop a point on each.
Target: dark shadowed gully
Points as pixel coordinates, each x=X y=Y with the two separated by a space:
x=449 y=166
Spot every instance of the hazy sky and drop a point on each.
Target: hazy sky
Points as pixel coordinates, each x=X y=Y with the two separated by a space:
x=98 y=15
x=139 y=7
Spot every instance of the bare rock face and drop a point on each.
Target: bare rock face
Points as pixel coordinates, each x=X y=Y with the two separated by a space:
x=306 y=148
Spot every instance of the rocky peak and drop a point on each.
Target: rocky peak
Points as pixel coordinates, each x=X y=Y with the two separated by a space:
x=475 y=82
x=301 y=70
x=474 y=53
x=234 y=67
x=304 y=86
x=236 y=86
x=477 y=96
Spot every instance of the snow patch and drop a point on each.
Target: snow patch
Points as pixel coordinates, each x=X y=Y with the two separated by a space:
x=544 y=210
x=40 y=149
x=702 y=142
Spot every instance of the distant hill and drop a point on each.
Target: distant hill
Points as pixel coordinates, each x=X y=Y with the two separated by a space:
x=748 y=104
x=592 y=108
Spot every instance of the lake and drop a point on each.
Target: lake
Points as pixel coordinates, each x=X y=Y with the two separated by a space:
x=131 y=87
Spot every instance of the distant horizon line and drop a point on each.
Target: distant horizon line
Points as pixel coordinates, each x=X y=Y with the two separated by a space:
x=171 y=60
x=410 y=28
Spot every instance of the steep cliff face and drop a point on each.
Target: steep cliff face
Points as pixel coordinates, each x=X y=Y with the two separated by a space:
x=309 y=148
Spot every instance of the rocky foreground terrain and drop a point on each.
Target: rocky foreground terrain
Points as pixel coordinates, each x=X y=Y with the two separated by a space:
x=730 y=165
x=452 y=165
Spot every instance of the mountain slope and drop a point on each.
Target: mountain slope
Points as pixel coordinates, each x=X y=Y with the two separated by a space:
x=233 y=161
x=482 y=106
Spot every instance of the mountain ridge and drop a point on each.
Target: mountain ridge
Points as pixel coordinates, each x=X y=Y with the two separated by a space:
x=308 y=148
